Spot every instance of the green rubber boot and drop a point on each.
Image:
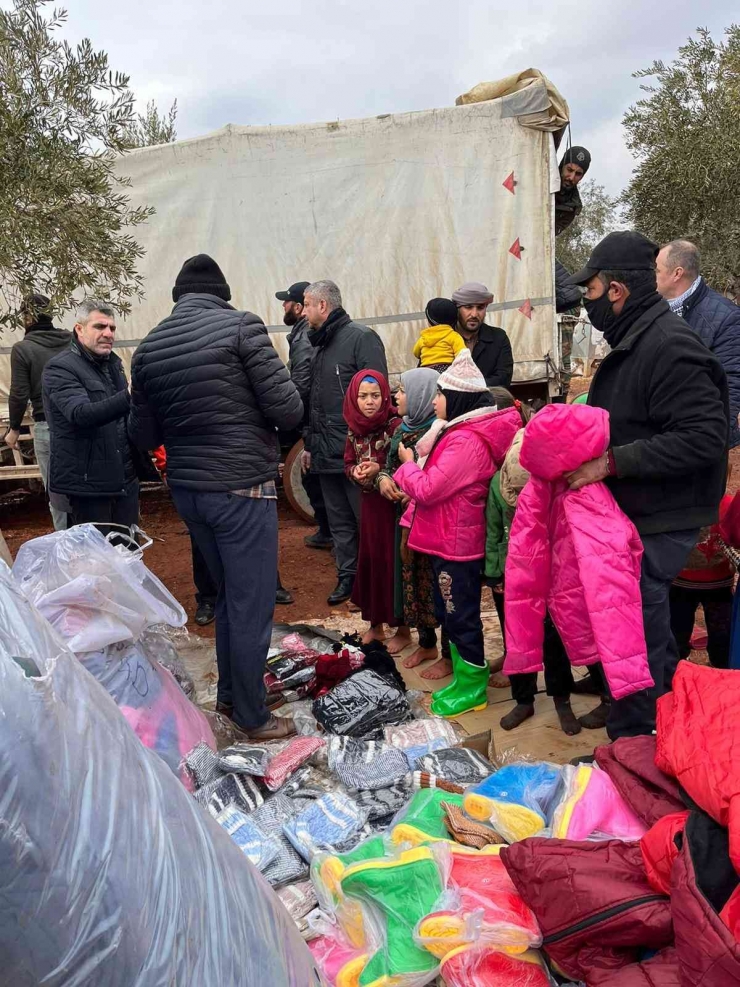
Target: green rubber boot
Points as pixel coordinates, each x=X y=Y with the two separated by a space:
x=423 y=819
x=469 y=691
x=400 y=892
x=456 y=659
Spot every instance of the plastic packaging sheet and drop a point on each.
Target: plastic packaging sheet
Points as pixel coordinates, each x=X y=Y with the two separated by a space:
x=592 y=808
x=110 y=873
x=485 y=966
x=93 y=593
x=518 y=800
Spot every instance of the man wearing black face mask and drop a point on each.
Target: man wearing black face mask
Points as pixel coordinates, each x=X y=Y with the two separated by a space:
x=666 y=464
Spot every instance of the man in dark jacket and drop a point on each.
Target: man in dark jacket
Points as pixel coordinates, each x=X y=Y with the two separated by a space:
x=342 y=348
x=28 y=357
x=208 y=384
x=300 y=358
x=489 y=345
x=666 y=464
x=713 y=317
x=86 y=402
x=576 y=162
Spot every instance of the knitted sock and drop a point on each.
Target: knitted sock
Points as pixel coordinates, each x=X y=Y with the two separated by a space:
x=381 y=803
x=259 y=849
x=467 y=832
x=458 y=764
x=330 y=823
x=366 y=764
x=422 y=779
x=237 y=790
x=288 y=866
x=203 y=765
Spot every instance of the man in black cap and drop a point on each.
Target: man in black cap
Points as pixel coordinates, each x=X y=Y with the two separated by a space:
x=208 y=384
x=300 y=358
x=666 y=464
x=576 y=162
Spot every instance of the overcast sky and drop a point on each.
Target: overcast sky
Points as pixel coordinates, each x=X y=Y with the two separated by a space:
x=282 y=61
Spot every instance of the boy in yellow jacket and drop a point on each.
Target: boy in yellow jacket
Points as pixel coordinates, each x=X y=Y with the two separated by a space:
x=438 y=345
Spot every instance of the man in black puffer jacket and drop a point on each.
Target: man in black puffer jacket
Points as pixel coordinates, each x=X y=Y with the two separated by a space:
x=342 y=348
x=208 y=384
x=86 y=404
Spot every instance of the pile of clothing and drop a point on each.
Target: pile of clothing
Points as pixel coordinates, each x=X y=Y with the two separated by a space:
x=113 y=613
x=662 y=909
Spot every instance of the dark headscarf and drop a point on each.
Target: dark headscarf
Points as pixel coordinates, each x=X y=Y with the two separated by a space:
x=461 y=402
x=358 y=423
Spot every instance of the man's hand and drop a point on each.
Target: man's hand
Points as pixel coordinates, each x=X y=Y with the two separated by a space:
x=404 y=454
x=305 y=461
x=591 y=472
x=11 y=438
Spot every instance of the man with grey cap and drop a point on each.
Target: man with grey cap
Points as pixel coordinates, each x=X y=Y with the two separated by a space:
x=489 y=345
x=666 y=462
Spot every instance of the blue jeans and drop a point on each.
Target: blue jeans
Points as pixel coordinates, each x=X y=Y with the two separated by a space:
x=457 y=589
x=238 y=538
x=664 y=555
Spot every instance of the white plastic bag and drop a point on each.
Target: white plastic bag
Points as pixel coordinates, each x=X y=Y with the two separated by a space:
x=110 y=873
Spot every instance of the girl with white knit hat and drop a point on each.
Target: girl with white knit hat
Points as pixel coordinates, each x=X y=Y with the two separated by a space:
x=447 y=517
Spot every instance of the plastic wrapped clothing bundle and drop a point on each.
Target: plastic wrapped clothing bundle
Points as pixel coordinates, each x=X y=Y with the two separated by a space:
x=364 y=764
x=592 y=808
x=91 y=592
x=456 y=764
x=481 y=905
x=361 y=704
x=485 y=966
x=105 y=860
x=332 y=822
x=258 y=850
x=423 y=819
x=161 y=715
x=518 y=800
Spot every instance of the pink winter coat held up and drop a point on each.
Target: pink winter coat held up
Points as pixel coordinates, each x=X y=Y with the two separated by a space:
x=575 y=554
x=448 y=513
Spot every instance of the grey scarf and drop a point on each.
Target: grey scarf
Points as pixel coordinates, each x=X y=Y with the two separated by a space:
x=420 y=386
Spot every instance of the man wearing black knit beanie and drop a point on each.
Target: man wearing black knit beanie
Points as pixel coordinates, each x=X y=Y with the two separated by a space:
x=208 y=384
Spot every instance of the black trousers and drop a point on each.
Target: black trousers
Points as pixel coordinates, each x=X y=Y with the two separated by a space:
x=106 y=510
x=206 y=589
x=457 y=590
x=663 y=557
x=717 y=606
x=312 y=486
x=342 y=501
x=558 y=672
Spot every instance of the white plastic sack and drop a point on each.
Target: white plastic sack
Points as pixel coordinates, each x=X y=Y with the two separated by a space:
x=91 y=592
x=110 y=873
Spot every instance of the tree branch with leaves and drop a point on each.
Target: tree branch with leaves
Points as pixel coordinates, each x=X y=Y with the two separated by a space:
x=66 y=223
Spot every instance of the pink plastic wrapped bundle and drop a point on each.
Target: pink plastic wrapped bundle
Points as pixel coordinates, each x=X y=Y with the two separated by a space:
x=157 y=709
x=480 y=905
x=297 y=752
x=484 y=966
x=336 y=958
x=593 y=809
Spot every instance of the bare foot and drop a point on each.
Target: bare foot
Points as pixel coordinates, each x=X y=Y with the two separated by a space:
x=373 y=634
x=499 y=681
x=418 y=656
x=497 y=664
x=400 y=640
x=440 y=670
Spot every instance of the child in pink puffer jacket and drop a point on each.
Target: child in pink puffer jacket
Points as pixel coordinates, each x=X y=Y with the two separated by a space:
x=448 y=519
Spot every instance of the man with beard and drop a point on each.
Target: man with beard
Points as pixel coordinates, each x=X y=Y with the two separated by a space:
x=576 y=162
x=666 y=463
x=300 y=358
x=489 y=345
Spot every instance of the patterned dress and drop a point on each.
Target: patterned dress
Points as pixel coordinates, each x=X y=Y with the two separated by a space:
x=414 y=579
x=373 y=588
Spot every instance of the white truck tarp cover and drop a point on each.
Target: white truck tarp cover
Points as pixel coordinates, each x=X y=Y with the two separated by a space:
x=396 y=209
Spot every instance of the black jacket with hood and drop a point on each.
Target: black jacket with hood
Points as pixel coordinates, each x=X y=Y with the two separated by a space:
x=667 y=399
x=342 y=348
x=28 y=357
x=209 y=385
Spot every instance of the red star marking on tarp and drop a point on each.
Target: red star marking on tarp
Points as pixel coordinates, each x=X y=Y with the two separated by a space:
x=516 y=249
x=510 y=183
x=526 y=309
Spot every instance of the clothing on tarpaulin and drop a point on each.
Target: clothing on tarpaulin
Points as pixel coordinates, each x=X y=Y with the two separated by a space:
x=667 y=400
x=209 y=385
x=568 y=551
x=373 y=589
